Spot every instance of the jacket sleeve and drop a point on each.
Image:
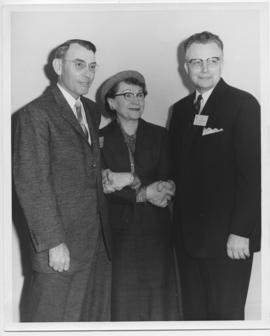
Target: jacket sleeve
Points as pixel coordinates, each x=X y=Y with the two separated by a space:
x=33 y=179
x=164 y=167
x=173 y=139
x=246 y=214
x=124 y=196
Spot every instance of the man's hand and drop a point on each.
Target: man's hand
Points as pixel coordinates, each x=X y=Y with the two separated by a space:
x=107 y=182
x=167 y=185
x=160 y=193
x=237 y=247
x=59 y=258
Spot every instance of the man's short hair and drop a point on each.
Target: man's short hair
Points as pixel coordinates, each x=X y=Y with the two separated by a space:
x=203 y=38
x=61 y=50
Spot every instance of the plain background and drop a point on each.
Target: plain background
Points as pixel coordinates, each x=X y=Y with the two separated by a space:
x=143 y=38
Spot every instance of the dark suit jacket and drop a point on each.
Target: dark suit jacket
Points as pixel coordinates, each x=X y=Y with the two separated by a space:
x=57 y=178
x=217 y=175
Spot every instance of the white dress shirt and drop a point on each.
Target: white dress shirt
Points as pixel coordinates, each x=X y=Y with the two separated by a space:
x=71 y=102
x=205 y=97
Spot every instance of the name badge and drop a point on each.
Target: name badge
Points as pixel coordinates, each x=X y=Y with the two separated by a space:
x=200 y=120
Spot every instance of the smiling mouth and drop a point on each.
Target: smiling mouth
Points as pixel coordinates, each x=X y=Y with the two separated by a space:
x=85 y=83
x=134 y=109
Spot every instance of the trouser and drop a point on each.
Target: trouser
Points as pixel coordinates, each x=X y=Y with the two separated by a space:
x=83 y=295
x=214 y=288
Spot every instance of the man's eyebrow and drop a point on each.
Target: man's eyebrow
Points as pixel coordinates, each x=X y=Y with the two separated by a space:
x=81 y=60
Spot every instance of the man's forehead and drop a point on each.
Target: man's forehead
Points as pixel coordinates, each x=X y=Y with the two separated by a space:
x=204 y=49
x=77 y=51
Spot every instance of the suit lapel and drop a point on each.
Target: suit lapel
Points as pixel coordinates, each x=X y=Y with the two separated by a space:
x=90 y=122
x=212 y=105
x=210 y=109
x=66 y=112
x=190 y=131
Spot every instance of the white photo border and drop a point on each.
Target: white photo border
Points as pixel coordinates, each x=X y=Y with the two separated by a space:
x=7 y=8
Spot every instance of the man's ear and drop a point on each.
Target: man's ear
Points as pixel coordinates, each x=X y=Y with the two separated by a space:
x=57 y=66
x=186 y=67
x=221 y=65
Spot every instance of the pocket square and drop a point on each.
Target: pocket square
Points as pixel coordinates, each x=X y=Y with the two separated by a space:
x=209 y=130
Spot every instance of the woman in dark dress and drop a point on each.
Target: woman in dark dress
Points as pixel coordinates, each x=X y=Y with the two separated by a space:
x=136 y=179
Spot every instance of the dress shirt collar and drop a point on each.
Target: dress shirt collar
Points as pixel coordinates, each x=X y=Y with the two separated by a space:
x=71 y=100
x=205 y=95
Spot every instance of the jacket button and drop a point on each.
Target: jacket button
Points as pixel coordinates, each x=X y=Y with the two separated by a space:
x=93 y=165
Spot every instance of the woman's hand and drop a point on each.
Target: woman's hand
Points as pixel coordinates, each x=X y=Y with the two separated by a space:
x=116 y=181
x=160 y=193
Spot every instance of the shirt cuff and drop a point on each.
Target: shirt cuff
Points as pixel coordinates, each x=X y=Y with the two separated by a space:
x=141 y=195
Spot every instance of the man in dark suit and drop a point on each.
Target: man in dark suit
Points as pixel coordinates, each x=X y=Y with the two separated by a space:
x=215 y=141
x=57 y=176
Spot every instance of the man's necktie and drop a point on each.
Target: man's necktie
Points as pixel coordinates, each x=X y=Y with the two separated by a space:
x=78 y=110
x=197 y=104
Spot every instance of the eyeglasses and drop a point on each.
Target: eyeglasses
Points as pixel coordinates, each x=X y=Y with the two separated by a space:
x=80 y=65
x=198 y=63
x=129 y=96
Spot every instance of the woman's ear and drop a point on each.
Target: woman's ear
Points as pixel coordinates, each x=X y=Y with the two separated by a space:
x=111 y=104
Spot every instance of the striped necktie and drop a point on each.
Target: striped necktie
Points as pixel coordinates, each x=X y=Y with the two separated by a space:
x=197 y=104
x=78 y=110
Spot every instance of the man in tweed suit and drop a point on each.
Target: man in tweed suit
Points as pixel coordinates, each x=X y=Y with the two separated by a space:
x=57 y=177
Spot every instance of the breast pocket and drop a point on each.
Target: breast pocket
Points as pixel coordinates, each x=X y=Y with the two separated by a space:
x=213 y=137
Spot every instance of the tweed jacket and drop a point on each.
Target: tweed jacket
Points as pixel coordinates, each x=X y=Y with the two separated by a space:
x=57 y=179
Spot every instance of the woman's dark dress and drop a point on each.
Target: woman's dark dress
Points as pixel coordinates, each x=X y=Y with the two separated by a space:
x=143 y=274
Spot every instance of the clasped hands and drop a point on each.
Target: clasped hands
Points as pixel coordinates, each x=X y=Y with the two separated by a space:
x=158 y=193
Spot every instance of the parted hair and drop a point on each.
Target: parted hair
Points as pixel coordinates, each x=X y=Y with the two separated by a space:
x=203 y=38
x=61 y=50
